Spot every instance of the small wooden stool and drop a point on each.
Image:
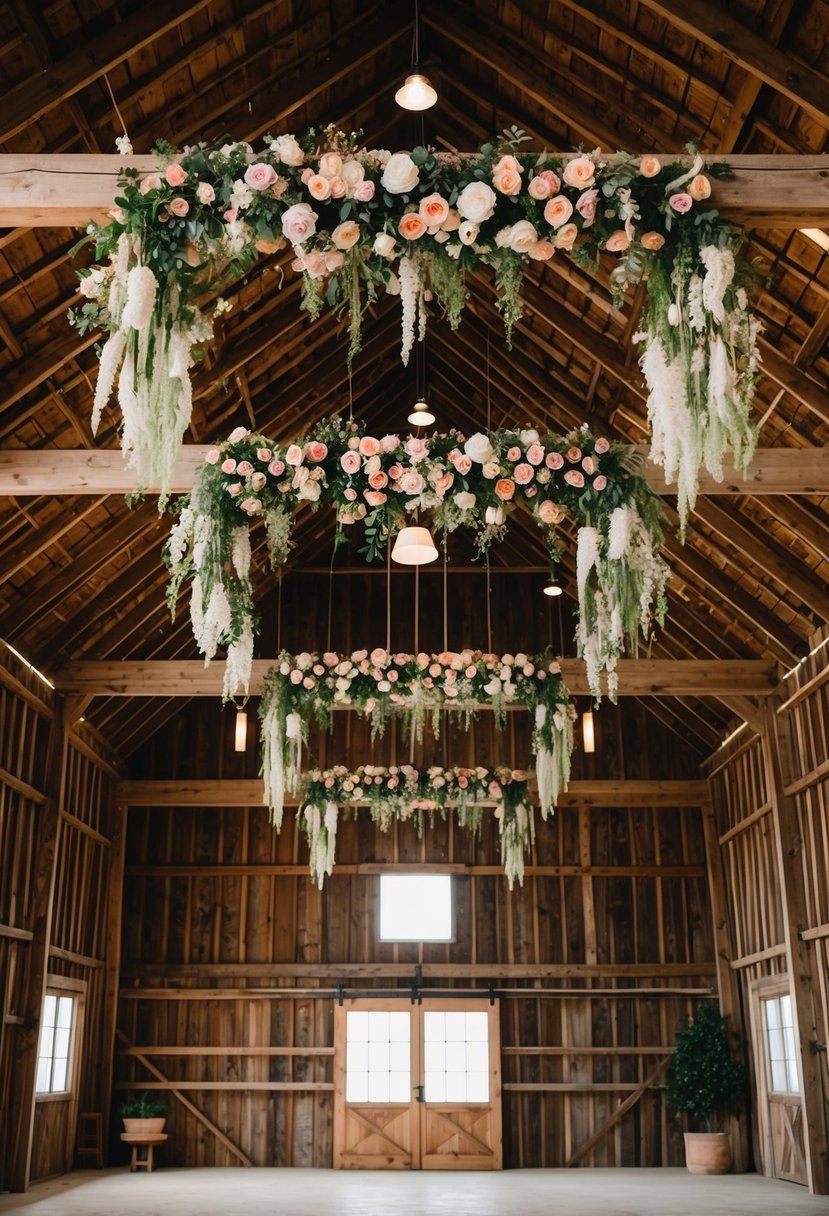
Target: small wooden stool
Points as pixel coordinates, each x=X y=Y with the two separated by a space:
x=90 y=1139
x=137 y=1162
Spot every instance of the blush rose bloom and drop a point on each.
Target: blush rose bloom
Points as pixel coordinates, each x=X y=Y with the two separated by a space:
x=352 y=173
x=319 y=187
x=378 y=480
x=205 y=192
x=411 y=482
x=294 y=455
x=331 y=164
x=558 y=211
x=550 y=512
x=434 y=210
x=316 y=451
x=543 y=185
x=649 y=166
x=505 y=488
x=338 y=187
x=175 y=175
x=580 y=172
x=299 y=223
x=416 y=448
x=260 y=176
x=586 y=206
x=244 y=467
x=374 y=498
x=700 y=188
x=652 y=240
x=541 y=251
x=554 y=460
x=589 y=464
x=523 y=474
x=368 y=446
x=535 y=453
x=276 y=468
x=229 y=465
x=151 y=182
x=566 y=237
x=574 y=478
x=506 y=181
x=364 y=193
x=618 y=241
x=522 y=236
x=212 y=456
x=400 y=174
x=178 y=206
x=463 y=464
x=288 y=150
x=464 y=500
x=452 y=221
x=346 y=235
x=601 y=445
x=350 y=462
x=599 y=482
x=513 y=454
x=476 y=202
x=411 y=226
x=349 y=493
x=681 y=202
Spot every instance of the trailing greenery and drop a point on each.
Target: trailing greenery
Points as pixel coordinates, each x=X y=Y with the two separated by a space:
x=705 y=1077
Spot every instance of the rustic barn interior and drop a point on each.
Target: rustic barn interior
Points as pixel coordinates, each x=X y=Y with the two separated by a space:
x=689 y=861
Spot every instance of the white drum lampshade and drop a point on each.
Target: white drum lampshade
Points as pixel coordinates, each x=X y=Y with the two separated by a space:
x=414 y=547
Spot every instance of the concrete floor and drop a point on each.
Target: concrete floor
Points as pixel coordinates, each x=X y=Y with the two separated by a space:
x=275 y=1192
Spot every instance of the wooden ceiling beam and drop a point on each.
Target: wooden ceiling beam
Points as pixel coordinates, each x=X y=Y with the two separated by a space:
x=29 y=101
x=70 y=189
x=56 y=471
x=637 y=678
x=729 y=37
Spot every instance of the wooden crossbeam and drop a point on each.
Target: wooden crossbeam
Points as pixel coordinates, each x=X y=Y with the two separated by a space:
x=67 y=190
x=248 y=792
x=24 y=474
x=637 y=678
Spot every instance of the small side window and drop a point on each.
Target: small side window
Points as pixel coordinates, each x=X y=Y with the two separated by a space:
x=416 y=908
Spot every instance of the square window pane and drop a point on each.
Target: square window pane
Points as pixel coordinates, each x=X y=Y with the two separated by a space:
x=378 y=1057
x=64 y=1017
x=477 y=1027
x=435 y=1087
x=434 y=1057
x=356 y=1087
x=59 y=1075
x=378 y=1087
x=416 y=907
x=434 y=1027
x=400 y=1027
x=399 y=1088
x=356 y=1057
x=47 y=1040
x=477 y=1057
x=44 y=1071
x=776 y=1051
x=378 y=1026
x=399 y=1057
x=456 y=1057
x=61 y=1042
x=456 y=1027
x=477 y=1087
x=786 y=1011
x=49 y=1004
x=357 y=1027
x=456 y=1087
x=772 y=1009
x=779 y=1080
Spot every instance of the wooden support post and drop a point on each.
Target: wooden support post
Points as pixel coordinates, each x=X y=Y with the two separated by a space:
x=22 y=1108
x=727 y=981
x=112 y=968
x=806 y=996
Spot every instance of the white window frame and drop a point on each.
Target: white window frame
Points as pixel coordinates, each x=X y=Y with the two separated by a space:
x=75 y=990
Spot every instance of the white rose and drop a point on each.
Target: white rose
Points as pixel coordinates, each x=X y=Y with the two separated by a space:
x=288 y=150
x=528 y=437
x=491 y=470
x=352 y=173
x=400 y=174
x=503 y=238
x=476 y=202
x=478 y=448
x=309 y=491
x=384 y=244
x=522 y=236
x=464 y=500
x=440 y=236
x=468 y=231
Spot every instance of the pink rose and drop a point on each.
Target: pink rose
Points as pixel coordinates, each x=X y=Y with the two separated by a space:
x=507 y=181
x=235 y=489
x=411 y=226
x=276 y=468
x=260 y=176
x=618 y=241
x=338 y=187
x=601 y=446
x=316 y=451
x=554 y=460
x=306 y=175
x=505 y=488
x=364 y=193
x=263 y=453
x=411 y=482
x=319 y=187
x=244 y=468
x=299 y=223
x=574 y=478
x=350 y=462
x=378 y=480
x=586 y=206
x=389 y=442
x=434 y=210
x=514 y=453
x=230 y=215
x=416 y=448
x=205 y=192
x=443 y=483
x=151 y=182
x=523 y=474
x=557 y=211
x=179 y=207
x=175 y=175
x=296 y=676
x=212 y=456
x=599 y=482
x=294 y=455
x=395 y=472
x=349 y=493
x=589 y=464
x=229 y=465
x=535 y=453
x=251 y=506
x=574 y=455
x=681 y=202
x=541 y=251
x=369 y=446
x=463 y=464
x=374 y=498
x=539 y=188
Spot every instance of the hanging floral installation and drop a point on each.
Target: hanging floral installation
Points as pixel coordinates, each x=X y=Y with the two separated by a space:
x=474 y=483
x=414 y=224
x=402 y=793
x=377 y=684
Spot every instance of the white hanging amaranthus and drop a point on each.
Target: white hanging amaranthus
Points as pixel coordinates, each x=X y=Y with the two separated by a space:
x=517 y=833
x=553 y=748
x=321 y=830
x=272 y=741
x=410 y=290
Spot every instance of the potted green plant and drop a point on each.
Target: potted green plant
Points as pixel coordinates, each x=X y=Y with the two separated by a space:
x=143 y=1114
x=706 y=1079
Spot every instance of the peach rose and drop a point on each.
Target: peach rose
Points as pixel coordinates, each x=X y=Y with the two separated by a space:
x=264 y=246
x=368 y=446
x=331 y=165
x=505 y=488
x=541 y=251
x=652 y=240
x=589 y=464
x=649 y=166
x=378 y=480
x=523 y=474
x=554 y=460
x=411 y=482
x=544 y=184
x=574 y=478
x=338 y=187
x=374 y=498
x=151 y=182
x=558 y=211
x=316 y=451
x=507 y=181
x=411 y=226
x=346 y=235
x=175 y=175
x=579 y=172
x=319 y=187
x=453 y=221
x=535 y=453
x=508 y=164
x=599 y=482
x=700 y=188
x=618 y=241
x=350 y=462
x=566 y=236
x=179 y=207
x=434 y=210
x=550 y=512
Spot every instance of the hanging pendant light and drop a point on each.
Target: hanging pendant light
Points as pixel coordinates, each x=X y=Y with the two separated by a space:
x=421 y=415
x=240 y=734
x=416 y=92
x=414 y=547
x=553 y=587
x=588 y=731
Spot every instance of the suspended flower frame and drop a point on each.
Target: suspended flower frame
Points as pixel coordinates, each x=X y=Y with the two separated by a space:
x=378 y=684
x=475 y=483
x=415 y=223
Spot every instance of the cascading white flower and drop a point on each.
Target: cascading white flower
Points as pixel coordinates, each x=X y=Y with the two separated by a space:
x=240 y=553
x=239 y=665
x=142 y=287
x=410 y=289
x=111 y=356
x=719 y=274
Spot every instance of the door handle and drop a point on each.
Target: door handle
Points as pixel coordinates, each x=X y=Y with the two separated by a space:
x=418 y=1089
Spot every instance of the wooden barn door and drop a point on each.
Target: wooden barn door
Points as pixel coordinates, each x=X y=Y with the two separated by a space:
x=779 y=1104
x=417 y=1086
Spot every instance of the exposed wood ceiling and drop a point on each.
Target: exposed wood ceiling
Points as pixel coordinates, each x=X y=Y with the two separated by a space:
x=83 y=576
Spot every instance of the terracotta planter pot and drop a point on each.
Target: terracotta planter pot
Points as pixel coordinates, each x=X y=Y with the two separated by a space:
x=707 y=1152
x=145 y=1127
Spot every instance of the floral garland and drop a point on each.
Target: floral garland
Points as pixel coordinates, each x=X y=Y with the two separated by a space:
x=403 y=793
x=378 y=683
x=471 y=482
x=362 y=222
